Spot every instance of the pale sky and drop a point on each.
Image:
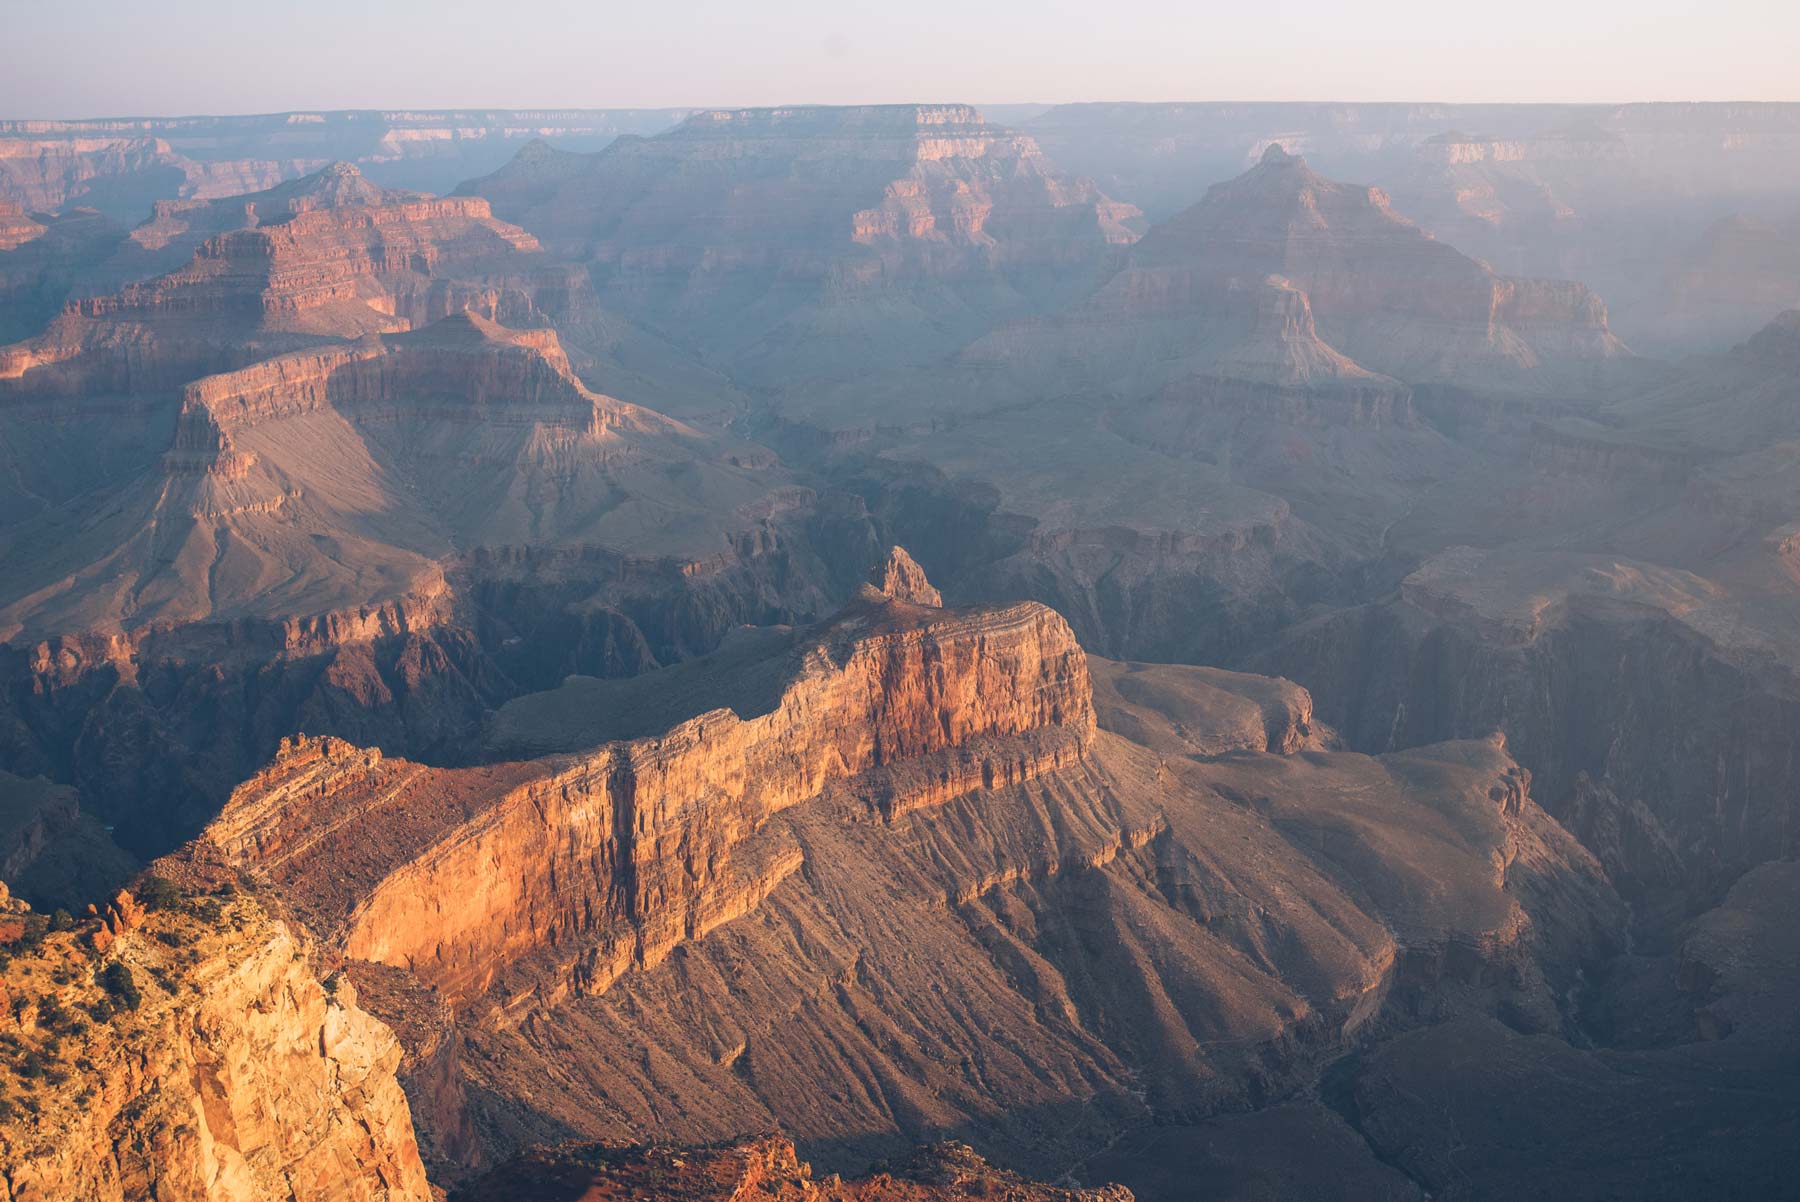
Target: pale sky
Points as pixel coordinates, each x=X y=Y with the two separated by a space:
x=162 y=57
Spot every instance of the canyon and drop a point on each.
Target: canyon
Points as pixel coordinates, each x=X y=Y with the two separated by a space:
x=792 y=246
x=124 y=165
x=1327 y=733
x=970 y=794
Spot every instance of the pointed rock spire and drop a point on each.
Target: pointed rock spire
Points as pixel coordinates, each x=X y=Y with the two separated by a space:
x=900 y=578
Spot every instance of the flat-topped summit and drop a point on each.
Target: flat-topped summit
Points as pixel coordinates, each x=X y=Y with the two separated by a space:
x=922 y=705
x=867 y=120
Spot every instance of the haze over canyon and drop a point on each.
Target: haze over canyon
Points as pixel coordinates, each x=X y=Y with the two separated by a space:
x=895 y=653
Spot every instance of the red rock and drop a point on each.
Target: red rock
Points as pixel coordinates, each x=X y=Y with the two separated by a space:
x=902 y=579
x=762 y=1168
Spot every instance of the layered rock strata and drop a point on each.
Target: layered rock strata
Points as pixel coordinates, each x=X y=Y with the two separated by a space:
x=636 y=841
x=912 y=837
x=334 y=258
x=373 y=529
x=815 y=242
x=127 y=164
x=1646 y=700
x=1285 y=279
x=191 y=1053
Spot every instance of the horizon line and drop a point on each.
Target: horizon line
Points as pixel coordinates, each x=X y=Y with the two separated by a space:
x=388 y=110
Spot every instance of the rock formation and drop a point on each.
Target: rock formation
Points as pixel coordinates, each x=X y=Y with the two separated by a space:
x=346 y=506
x=126 y=165
x=817 y=241
x=601 y=830
x=190 y=1053
x=1284 y=276
x=330 y=257
x=901 y=834
x=1617 y=196
x=615 y=890
x=766 y=1167
x=901 y=578
x=348 y=442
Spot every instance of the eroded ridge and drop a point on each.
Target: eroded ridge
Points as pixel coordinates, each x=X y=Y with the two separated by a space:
x=611 y=857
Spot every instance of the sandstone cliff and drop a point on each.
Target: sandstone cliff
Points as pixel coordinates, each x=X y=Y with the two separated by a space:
x=328 y=257
x=372 y=529
x=910 y=838
x=659 y=819
x=190 y=1053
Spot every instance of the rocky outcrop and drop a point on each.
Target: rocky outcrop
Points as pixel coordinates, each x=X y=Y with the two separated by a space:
x=1382 y=291
x=330 y=256
x=901 y=578
x=648 y=868
x=762 y=1168
x=899 y=837
x=215 y=1066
